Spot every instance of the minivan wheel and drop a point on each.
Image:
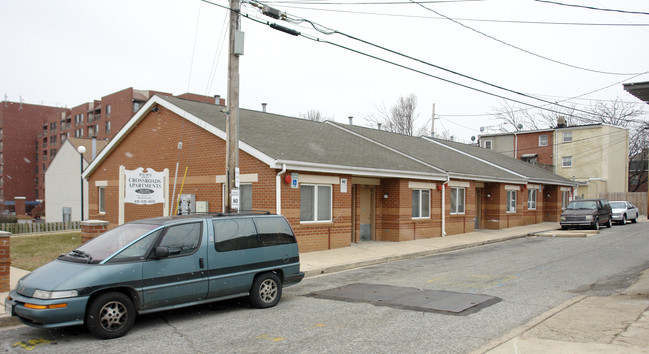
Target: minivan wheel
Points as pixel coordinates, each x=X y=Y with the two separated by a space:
x=609 y=223
x=110 y=315
x=266 y=290
x=623 y=220
x=596 y=225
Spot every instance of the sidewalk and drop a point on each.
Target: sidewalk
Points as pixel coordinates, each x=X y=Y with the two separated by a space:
x=585 y=324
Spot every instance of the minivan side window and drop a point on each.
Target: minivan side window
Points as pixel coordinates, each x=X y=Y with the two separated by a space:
x=182 y=239
x=234 y=234
x=138 y=250
x=274 y=231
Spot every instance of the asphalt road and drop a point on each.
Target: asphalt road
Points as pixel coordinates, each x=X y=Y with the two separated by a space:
x=528 y=276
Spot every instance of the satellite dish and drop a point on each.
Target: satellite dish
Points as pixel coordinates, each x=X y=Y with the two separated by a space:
x=473 y=138
x=481 y=129
x=520 y=126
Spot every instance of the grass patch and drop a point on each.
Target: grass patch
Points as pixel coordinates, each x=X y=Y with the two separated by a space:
x=31 y=252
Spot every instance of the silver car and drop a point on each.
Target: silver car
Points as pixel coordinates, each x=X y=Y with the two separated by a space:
x=623 y=211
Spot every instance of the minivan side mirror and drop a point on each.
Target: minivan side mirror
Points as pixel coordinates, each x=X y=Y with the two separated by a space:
x=161 y=252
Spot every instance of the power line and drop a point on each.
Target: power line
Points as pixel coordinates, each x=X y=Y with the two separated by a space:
x=594 y=8
x=466 y=19
x=521 y=49
x=329 y=31
x=368 y=2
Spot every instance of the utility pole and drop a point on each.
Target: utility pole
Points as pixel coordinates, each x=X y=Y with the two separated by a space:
x=232 y=128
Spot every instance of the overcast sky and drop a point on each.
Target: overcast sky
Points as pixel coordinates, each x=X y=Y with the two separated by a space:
x=65 y=53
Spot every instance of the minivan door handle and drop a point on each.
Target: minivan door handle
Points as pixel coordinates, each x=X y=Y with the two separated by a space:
x=201 y=262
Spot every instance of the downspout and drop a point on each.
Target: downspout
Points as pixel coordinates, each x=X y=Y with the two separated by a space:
x=278 y=190
x=515 y=146
x=448 y=179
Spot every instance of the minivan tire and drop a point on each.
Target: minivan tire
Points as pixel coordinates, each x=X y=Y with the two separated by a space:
x=609 y=223
x=596 y=224
x=110 y=315
x=266 y=290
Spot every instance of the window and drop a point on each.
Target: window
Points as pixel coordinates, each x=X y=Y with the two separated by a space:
x=511 y=201
x=234 y=234
x=138 y=250
x=566 y=161
x=457 y=200
x=107 y=128
x=531 y=199
x=245 y=196
x=102 y=200
x=420 y=203
x=567 y=137
x=107 y=111
x=488 y=144
x=136 y=106
x=543 y=140
x=182 y=239
x=53 y=140
x=315 y=202
x=274 y=231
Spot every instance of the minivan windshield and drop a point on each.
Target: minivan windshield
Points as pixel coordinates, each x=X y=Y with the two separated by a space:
x=618 y=205
x=582 y=204
x=106 y=244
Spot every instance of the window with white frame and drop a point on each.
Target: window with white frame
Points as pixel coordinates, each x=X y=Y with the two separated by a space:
x=543 y=140
x=567 y=137
x=457 y=200
x=531 y=199
x=511 y=201
x=488 y=144
x=315 y=202
x=102 y=200
x=420 y=203
x=566 y=161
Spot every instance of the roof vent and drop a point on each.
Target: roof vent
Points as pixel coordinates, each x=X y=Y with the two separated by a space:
x=263 y=107
x=351 y=119
x=561 y=122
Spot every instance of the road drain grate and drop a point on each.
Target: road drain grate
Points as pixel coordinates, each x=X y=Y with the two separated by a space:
x=409 y=298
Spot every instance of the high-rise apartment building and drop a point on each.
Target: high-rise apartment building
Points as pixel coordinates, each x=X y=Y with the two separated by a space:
x=31 y=135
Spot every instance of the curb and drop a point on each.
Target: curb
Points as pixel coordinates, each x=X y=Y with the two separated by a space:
x=520 y=330
x=388 y=259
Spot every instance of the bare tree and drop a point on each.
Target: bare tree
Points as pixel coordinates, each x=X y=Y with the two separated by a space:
x=314 y=115
x=399 y=118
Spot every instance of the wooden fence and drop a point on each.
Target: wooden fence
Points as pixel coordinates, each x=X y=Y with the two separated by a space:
x=639 y=199
x=26 y=228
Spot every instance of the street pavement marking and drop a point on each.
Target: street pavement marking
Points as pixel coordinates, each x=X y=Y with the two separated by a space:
x=31 y=344
x=272 y=339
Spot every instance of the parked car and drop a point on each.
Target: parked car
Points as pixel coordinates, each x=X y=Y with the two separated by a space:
x=586 y=212
x=623 y=211
x=159 y=264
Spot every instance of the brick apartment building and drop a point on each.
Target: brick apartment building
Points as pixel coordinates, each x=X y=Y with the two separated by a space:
x=595 y=156
x=26 y=159
x=20 y=123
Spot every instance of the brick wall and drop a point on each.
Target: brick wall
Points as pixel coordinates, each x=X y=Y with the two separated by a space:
x=5 y=261
x=92 y=228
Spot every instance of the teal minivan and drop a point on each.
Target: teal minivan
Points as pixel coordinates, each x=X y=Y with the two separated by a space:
x=160 y=264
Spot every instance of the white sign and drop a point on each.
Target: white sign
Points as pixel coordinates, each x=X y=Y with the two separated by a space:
x=343 y=185
x=236 y=177
x=234 y=199
x=144 y=187
x=294 y=181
